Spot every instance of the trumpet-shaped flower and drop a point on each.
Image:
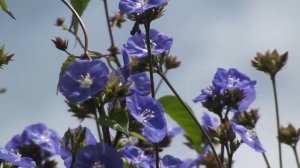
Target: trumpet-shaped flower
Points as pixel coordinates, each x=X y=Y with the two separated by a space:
x=138 y=6
x=231 y=80
x=136 y=45
x=149 y=112
x=83 y=79
x=67 y=146
x=98 y=155
x=16 y=159
x=38 y=134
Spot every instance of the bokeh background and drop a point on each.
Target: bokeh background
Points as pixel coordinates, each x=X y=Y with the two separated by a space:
x=207 y=34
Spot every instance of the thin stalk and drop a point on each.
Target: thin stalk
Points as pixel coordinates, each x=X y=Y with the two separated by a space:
x=148 y=43
x=117 y=138
x=230 y=155
x=222 y=154
x=160 y=82
x=86 y=46
x=266 y=159
x=296 y=156
x=98 y=128
x=277 y=118
x=110 y=33
x=193 y=117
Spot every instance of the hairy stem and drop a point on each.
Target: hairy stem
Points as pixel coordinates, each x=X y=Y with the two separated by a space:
x=82 y=27
x=193 y=117
x=296 y=156
x=277 y=118
x=148 y=43
x=160 y=82
x=114 y=55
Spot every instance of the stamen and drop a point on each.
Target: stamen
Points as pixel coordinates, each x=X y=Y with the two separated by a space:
x=147 y=114
x=86 y=81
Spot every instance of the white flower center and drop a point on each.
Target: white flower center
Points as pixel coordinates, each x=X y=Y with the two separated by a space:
x=141 y=3
x=98 y=165
x=45 y=137
x=86 y=81
x=232 y=81
x=147 y=114
x=152 y=46
x=249 y=136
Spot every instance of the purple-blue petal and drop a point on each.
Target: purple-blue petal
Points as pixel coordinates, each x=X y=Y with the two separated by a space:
x=69 y=83
x=134 y=6
x=16 y=159
x=101 y=154
x=248 y=137
x=149 y=112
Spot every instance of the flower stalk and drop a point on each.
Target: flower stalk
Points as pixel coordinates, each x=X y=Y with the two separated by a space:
x=193 y=117
x=86 y=54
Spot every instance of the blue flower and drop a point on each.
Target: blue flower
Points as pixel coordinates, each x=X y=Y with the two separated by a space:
x=38 y=134
x=99 y=155
x=235 y=80
x=247 y=136
x=83 y=79
x=138 y=6
x=228 y=81
x=16 y=159
x=140 y=82
x=66 y=147
x=209 y=121
x=169 y=161
x=174 y=131
x=149 y=112
x=138 y=157
x=136 y=45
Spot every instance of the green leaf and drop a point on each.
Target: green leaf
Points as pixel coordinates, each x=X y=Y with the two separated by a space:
x=4 y=7
x=79 y=6
x=118 y=121
x=178 y=113
x=64 y=66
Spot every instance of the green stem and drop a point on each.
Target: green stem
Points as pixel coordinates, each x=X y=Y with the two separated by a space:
x=160 y=82
x=266 y=159
x=148 y=43
x=98 y=128
x=277 y=118
x=193 y=117
x=296 y=156
x=230 y=156
x=114 y=55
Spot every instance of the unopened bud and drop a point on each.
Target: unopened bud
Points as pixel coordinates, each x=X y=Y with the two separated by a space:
x=59 y=21
x=288 y=135
x=117 y=20
x=270 y=62
x=60 y=43
x=171 y=62
x=5 y=58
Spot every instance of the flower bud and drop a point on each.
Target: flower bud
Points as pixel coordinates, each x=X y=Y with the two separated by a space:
x=171 y=62
x=288 y=135
x=5 y=58
x=270 y=62
x=60 y=21
x=60 y=43
x=248 y=119
x=117 y=20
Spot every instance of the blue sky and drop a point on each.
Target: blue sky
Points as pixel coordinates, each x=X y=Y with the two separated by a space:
x=207 y=34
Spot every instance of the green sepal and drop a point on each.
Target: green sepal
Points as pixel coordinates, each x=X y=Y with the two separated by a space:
x=4 y=7
x=118 y=121
x=64 y=66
